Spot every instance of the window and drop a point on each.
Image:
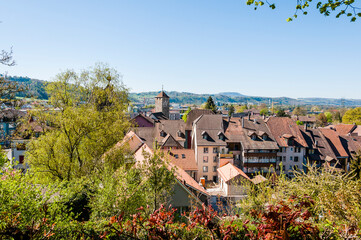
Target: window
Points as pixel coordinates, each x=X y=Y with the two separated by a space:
x=183 y=156
x=215 y=179
x=296 y=159
x=215 y=150
x=291 y=158
x=214 y=169
x=215 y=159
x=264 y=137
x=205 y=159
x=284 y=158
x=290 y=167
x=205 y=169
x=21 y=159
x=312 y=151
x=291 y=149
x=176 y=156
x=205 y=150
x=254 y=137
x=281 y=149
x=205 y=178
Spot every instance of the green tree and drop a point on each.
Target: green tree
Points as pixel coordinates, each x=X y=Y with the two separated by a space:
x=321 y=119
x=352 y=116
x=329 y=117
x=89 y=121
x=210 y=105
x=299 y=111
x=231 y=110
x=185 y=115
x=281 y=113
x=355 y=166
x=159 y=175
x=337 y=117
x=264 y=111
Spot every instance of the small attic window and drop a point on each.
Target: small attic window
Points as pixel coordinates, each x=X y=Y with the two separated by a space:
x=253 y=136
x=221 y=136
x=265 y=137
x=183 y=156
x=204 y=135
x=163 y=134
x=176 y=156
x=179 y=133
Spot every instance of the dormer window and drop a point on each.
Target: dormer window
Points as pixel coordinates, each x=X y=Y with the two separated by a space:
x=265 y=137
x=179 y=133
x=163 y=134
x=254 y=137
x=176 y=156
x=221 y=136
x=204 y=135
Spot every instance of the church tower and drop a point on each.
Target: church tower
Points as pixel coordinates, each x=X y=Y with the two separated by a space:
x=162 y=103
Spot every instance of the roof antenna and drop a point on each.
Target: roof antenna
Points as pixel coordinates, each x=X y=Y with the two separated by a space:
x=162 y=87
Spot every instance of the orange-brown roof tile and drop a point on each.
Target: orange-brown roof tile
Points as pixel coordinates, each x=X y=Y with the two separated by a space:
x=229 y=172
x=334 y=140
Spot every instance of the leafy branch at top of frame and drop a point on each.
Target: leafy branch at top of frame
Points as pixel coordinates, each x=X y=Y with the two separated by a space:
x=342 y=7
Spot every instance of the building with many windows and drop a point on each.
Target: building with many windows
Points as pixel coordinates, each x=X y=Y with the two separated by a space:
x=208 y=141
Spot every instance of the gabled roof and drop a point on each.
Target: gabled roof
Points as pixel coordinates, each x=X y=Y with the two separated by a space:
x=282 y=128
x=194 y=114
x=169 y=142
x=141 y=115
x=229 y=172
x=322 y=148
x=236 y=133
x=151 y=134
x=162 y=94
x=131 y=141
x=334 y=140
x=213 y=126
x=185 y=158
x=344 y=129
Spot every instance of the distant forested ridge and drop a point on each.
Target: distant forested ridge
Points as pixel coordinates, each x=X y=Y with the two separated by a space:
x=237 y=98
x=36 y=88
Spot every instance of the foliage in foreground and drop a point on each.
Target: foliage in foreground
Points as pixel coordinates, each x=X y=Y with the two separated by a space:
x=317 y=205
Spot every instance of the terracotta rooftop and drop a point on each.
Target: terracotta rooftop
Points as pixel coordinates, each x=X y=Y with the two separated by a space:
x=334 y=140
x=183 y=158
x=282 y=128
x=229 y=172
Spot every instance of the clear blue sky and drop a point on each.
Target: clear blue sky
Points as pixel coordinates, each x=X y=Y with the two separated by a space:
x=201 y=46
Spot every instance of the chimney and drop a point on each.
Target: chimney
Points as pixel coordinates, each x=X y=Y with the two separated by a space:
x=242 y=122
x=316 y=143
x=306 y=127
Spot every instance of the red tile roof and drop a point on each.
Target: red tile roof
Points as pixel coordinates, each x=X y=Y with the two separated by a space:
x=334 y=140
x=282 y=128
x=185 y=158
x=229 y=172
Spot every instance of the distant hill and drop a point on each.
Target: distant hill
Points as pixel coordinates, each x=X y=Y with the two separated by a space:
x=36 y=87
x=37 y=90
x=237 y=98
x=231 y=94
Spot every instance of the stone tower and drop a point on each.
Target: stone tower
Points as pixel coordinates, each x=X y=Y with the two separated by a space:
x=162 y=103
